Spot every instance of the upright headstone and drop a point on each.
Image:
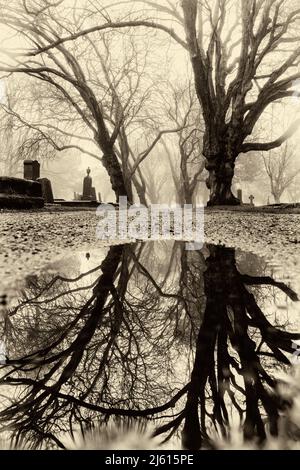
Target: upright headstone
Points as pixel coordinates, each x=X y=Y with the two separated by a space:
x=46 y=190
x=87 y=186
x=31 y=170
x=251 y=197
x=93 y=194
x=99 y=198
x=240 y=195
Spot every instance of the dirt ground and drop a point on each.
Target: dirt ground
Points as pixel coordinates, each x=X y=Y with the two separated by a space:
x=29 y=240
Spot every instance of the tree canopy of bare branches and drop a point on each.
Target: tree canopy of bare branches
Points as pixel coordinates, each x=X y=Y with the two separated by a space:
x=244 y=57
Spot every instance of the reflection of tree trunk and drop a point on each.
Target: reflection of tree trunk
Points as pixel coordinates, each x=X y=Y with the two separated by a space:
x=194 y=429
x=227 y=373
x=229 y=313
x=33 y=412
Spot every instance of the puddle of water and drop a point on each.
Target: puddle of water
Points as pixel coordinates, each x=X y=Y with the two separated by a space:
x=188 y=342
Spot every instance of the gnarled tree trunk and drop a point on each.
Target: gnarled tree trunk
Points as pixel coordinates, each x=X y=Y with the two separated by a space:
x=113 y=168
x=219 y=181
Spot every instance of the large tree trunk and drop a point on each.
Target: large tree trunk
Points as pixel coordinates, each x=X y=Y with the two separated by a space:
x=141 y=193
x=219 y=181
x=113 y=168
x=128 y=185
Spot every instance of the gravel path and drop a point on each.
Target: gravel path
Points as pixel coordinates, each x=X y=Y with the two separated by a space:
x=29 y=240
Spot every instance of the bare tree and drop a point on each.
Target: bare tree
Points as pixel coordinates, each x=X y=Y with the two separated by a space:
x=73 y=77
x=98 y=97
x=294 y=191
x=280 y=169
x=233 y=63
x=187 y=167
x=243 y=56
x=137 y=138
x=18 y=141
x=153 y=183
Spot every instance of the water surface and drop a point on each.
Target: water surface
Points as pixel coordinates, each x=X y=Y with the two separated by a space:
x=188 y=342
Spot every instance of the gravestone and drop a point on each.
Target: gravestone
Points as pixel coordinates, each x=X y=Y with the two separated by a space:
x=240 y=195
x=46 y=190
x=99 y=198
x=17 y=193
x=93 y=194
x=251 y=197
x=87 y=186
x=31 y=170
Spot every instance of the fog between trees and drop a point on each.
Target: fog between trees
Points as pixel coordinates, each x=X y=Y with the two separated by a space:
x=163 y=98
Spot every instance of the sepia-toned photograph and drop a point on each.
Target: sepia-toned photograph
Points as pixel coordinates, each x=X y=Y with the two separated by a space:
x=149 y=229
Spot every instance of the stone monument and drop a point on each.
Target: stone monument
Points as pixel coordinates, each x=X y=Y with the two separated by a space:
x=240 y=195
x=93 y=194
x=87 y=186
x=31 y=170
x=17 y=193
x=46 y=190
x=89 y=192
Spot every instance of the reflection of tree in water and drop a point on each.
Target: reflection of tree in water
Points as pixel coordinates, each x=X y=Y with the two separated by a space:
x=108 y=350
x=44 y=373
x=95 y=356
x=231 y=314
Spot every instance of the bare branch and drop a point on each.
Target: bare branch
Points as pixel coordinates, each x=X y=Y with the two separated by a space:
x=254 y=146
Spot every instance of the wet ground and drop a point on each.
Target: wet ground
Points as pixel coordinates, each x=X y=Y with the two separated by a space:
x=28 y=240
x=188 y=345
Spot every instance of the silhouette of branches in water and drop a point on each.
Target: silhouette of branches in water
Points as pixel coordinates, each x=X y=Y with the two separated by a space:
x=121 y=346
